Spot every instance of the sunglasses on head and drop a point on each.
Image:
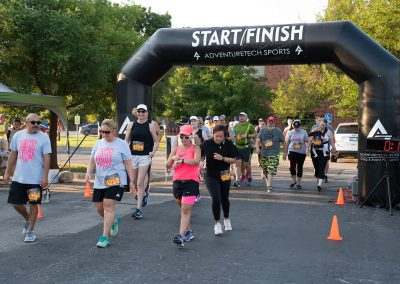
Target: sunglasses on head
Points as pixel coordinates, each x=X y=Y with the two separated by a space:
x=184 y=137
x=141 y=111
x=35 y=122
x=105 y=132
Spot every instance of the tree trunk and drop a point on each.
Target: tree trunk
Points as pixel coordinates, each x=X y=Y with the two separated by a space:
x=53 y=140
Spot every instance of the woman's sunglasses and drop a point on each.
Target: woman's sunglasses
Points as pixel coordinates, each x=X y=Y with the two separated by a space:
x=141 y=111
x=35 y=122
x=105 y=132
x=184 y=137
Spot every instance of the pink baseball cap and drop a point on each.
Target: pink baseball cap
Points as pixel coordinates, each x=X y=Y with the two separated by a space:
x=186 y=130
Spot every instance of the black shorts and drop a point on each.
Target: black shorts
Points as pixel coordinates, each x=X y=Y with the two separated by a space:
x=245 y=154
x=22 y=193
x=185 y=188
x=113 y=192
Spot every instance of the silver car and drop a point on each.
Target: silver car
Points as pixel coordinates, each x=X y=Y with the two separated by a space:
x=346 y=140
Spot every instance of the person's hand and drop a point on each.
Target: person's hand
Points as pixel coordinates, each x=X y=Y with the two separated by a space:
x=7 y=178
x=284 y=156
x=44 y=182
x=202 y=172
x=151 y=154
x=132 y=188
x=87 y=177
x=176 y=158
x=218 y=157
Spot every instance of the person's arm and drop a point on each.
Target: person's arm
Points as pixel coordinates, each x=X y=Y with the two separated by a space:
x=196 y=159
x=204 y=135
x=129 y=170
x=90 y=168
x=157 y=129
x=286 y=147
x=252 y=132
x=332 y=141
x=171 y=159
x=12 y=161
x=128 y=133
x=46 y=167
x=196 y=139
x=155 y=139
x=258 y=142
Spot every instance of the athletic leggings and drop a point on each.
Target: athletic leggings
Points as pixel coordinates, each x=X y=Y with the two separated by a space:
x=296 y=163
x=219 y=191
x=319 y=163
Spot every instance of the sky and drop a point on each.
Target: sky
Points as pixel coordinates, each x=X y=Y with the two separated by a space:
x=219 y=13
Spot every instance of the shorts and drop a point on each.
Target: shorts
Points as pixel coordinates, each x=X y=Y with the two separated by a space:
x=113 y=192
x=244 y=154
x=185 y=191
x=269 y=164
x=19 y=193
x=140 y=161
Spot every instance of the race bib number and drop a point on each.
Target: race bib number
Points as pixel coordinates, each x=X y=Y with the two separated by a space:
x=268 y=143
x=297 y=146
x=317 y=142
x=112 y=180
x=34 y=194
x=225 y=175
x=137 y=146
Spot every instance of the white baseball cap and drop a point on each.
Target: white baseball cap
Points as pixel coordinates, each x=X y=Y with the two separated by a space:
x=243 y=113
x=193 y=117
x=215 y=118
x=142 y=106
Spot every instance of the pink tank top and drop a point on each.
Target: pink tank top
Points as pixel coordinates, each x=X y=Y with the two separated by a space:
x=184 y=171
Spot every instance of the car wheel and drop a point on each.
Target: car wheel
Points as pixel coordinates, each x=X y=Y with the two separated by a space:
x=333 y=158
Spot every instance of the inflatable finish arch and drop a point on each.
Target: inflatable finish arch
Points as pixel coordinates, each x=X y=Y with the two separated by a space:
x=375 y=70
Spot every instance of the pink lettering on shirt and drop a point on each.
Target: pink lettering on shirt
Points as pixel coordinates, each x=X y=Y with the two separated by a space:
x=26 y=149
x=104 y=157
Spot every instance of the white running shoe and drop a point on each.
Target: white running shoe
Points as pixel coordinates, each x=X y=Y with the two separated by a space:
x=218 y=229
x=227 y=225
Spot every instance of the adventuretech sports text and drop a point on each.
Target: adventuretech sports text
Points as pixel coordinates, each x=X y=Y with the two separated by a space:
x=247 y=53
x=240 y=36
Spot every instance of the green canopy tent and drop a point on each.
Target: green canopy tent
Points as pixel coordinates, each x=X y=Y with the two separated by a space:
x=55 y=104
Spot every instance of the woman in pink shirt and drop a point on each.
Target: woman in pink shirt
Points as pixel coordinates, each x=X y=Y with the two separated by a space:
x=185 y=159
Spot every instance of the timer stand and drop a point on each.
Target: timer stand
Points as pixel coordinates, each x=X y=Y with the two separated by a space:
x=388 y=178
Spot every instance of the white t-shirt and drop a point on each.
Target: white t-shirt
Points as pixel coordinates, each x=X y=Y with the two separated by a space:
x=30 y=148
x=109 y=158
x=297 y=141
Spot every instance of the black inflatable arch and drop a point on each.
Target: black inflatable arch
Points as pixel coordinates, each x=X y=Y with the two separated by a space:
x=375 y=70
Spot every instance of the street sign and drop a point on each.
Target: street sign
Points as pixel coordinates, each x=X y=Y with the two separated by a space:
x=77 y=119
x=328 y=117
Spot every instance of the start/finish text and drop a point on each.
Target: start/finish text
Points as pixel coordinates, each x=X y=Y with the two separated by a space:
x=240 y=36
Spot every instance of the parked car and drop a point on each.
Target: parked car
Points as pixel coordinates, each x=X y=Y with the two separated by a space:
x=93 y=129
x=346 y=141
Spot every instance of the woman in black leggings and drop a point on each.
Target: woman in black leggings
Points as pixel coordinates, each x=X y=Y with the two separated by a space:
x=219 y=153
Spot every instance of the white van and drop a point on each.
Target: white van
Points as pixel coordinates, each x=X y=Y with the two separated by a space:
x=346 y=140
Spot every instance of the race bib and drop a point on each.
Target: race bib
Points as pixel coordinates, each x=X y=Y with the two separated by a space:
x=34 y=195
x=137 y=146
x=268 y=143
x=297 y=146
x=112 y=180
x=225 y=175
x=317 y=142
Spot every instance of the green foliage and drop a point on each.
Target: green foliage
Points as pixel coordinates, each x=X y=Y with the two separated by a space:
x=214 y=91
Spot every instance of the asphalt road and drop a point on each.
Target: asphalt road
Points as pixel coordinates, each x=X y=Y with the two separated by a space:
x=278 y=237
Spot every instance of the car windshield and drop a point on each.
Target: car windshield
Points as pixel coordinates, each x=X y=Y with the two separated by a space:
x=347 y=129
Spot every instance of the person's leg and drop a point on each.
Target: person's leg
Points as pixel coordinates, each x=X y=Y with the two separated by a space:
x=21 y=209
x=238 y=170
x=141 y=184
x=109 y=215
x=292 y=167
x=99 y=207
x=186 y=211
x=213 y=187
x=224 y=188
x=33 y=212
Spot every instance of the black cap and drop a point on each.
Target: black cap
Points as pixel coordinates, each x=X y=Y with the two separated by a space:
x=183 y=121
x=296 y=123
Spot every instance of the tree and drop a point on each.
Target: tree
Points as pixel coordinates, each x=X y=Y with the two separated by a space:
x=71 y=48
x=214 y=91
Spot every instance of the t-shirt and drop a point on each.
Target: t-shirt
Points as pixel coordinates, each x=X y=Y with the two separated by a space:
x=243 y=128
x=109 y=158
x=30 y=148
x=321 y=140
x=296 y=140
x=206 y=130
x=270 y=141
x=226 y=149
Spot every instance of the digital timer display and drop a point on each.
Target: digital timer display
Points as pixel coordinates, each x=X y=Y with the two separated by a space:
x=384 y=145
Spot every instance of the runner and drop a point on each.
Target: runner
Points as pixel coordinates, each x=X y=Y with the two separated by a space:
x=219 y=153
x=321 y=138
x=244 y=132
x=185 y=160
x=296 y=144
x=143 y=140
x=194 y=122
x=30 y=157
x=270 y=139
x=111 y=158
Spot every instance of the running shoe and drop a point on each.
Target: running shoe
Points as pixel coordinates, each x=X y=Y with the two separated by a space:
x=137 y=214
x=26 y=228
x=236 y=184
x=178 y=240
x=103 y=242
x=269 y=188
x=249 y=180
x=227 y=225
x=319 y=188
x=298 y=186
x=242 y=178
x=145 y=199
x=188 y=236
x=326 y=179
x=218 y=229
x=292 y=184
x=30 y=236
x=114 y=226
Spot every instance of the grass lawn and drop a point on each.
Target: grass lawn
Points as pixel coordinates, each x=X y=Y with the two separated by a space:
x=75 y=168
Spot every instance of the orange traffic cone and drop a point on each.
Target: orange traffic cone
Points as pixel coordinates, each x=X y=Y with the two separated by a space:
x=340 y=198
x=88 y=191
x=39 y=213
x=335 y=234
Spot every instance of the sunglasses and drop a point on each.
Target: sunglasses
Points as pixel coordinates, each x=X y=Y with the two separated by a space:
x=184 y=137
x=141 y=111
x=35 y=122
x=105 y=132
